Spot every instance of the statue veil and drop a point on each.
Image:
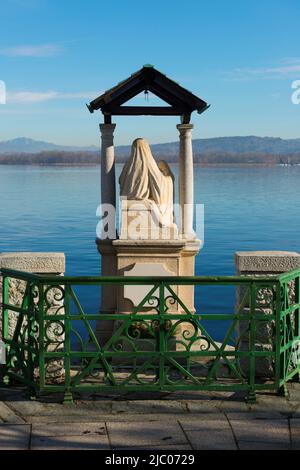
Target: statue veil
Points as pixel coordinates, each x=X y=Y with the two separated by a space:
x=143 y=179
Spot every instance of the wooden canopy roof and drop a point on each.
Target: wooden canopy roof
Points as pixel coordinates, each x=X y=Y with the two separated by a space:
x=181 y=101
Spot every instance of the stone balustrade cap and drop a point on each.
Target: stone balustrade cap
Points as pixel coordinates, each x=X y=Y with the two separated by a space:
x=266 y=261
x=34 y=262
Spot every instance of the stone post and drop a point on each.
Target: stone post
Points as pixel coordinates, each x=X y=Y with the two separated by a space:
x=38 y=263
x=186 y=180
x=266 y=263
x=108 y=174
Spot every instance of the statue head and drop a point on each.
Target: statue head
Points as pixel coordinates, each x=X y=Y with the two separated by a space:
x=140 y=144
x=136 y=141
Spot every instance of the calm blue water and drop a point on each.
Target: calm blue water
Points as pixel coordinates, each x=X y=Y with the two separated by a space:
x=53 y=209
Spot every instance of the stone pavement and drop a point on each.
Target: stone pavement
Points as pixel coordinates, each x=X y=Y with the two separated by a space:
x=178 y=421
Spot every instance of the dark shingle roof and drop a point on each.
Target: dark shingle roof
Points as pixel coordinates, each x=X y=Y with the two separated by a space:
x=181 y=101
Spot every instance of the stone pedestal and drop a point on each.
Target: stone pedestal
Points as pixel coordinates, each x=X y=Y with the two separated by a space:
x=144 y=258
x=255 y=263
x=152 y=257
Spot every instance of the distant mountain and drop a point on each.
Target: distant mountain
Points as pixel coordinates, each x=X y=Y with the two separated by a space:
x=25 y=145
x=233 y=145
x=250 y=150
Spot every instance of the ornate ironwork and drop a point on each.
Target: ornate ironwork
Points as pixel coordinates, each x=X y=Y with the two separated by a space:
x=160 y=346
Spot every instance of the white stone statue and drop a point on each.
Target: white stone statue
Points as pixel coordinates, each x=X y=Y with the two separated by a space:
x=143 y=180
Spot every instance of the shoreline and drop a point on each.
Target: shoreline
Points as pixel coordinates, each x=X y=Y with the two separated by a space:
x=208 y=165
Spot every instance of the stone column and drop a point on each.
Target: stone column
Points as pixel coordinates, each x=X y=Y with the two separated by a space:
x=108 y=174
x=186 y=180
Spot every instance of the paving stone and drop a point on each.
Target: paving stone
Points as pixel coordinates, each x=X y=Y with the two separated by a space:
x=95 y=418
x=186 y=395
x=295 y=432
x=296 y=412
x=274 y=431
x=103 y=406
x=233 y=406
x=198 y=422
x=148 y=406
x=10 y=392
x=138 y=434
x=150 y=423
x=205 y=406
x=252 y=415
x=201 y=440
x=216 y=405
x=36 y=408
x=86 y=442
x=7 y=415
x=61 y=419
x=250 y=445
x=211 y=435
x=165 y=447
x=294 y=392
x=273 y=403
x=14 y=436
x=68 y=429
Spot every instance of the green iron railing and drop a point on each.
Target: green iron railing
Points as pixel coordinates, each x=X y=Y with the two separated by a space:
x=160 y=346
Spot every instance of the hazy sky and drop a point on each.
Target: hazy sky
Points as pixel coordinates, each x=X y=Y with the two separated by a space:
x=240 y=56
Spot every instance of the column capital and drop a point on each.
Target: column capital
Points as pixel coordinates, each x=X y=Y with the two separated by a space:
x=185 y=128
x=107 y=129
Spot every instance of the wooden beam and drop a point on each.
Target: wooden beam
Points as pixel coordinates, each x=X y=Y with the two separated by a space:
x=165 y=95
x=107 y=118
x=143 y=110
x=115 y=93
x=180 y=93
x=185 y=118
x=127 y=95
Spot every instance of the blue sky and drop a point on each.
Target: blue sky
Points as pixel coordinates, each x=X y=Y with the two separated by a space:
x=239 y=56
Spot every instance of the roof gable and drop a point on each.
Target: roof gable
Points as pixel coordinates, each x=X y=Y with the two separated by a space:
x=181 y=101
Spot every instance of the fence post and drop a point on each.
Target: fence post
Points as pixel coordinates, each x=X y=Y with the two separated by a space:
x=5 y=319
x=68 y=397
x=31 y=389
x=41 y=336
x=297 y=300
x=162 y=371
x=251 y=397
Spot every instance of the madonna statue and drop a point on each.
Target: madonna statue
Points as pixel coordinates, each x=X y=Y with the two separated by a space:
x=142 y=179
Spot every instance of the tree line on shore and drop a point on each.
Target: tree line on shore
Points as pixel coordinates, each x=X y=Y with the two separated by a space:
x=85 y=158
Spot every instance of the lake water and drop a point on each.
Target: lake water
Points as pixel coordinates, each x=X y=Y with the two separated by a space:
x=54 y=209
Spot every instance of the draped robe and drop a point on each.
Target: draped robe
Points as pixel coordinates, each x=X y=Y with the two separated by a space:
x=142 y=179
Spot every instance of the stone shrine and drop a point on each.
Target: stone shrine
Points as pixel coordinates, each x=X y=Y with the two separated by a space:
x=150 y=241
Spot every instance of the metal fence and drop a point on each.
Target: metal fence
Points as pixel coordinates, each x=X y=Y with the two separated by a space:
x=51 y=344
